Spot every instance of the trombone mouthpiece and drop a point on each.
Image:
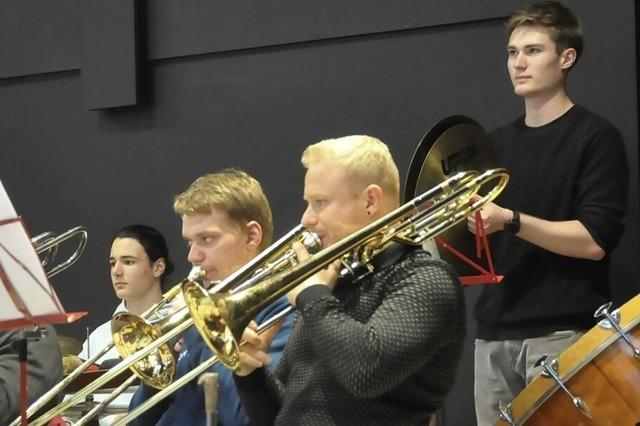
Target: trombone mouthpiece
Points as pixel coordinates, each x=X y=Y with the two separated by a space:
x=196 y=274
x=311 y=241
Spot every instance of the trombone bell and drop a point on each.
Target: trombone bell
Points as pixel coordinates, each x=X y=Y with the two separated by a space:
x=158 y=368
x=221 y=321
x=132 y=333
x=210 y=317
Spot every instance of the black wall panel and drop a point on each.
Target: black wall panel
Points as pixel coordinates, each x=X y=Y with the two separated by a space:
x=109 y=53
x=250 y=86
x=39 y=36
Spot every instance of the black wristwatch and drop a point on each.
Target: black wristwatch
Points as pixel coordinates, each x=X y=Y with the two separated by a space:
x=513 y=226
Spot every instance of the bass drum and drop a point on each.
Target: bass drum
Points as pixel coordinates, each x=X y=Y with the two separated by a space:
x=600 y=368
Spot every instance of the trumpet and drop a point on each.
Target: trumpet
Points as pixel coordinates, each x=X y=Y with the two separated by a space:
x=49 y=242
x=222 y=317
x=149 y=360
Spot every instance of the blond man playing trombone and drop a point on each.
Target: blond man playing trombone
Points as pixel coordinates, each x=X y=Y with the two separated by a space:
x=377 y=348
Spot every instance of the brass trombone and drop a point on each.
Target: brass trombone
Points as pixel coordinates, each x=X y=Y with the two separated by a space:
x=191 y=375
x=130 y=330
x=422 y=218
x=127 y=327
x=58 y=388
x=222 y=317
x=425 y=216
x=49 y=242
x=132 y=333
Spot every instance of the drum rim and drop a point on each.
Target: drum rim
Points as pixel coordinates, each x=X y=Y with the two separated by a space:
x=627 y=309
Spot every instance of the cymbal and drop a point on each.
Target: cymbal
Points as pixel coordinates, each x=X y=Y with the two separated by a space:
x=453 y=144
x=69 y=345
x=70 y=362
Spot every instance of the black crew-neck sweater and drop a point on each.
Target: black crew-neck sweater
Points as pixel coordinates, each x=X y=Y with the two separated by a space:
x=574 y=167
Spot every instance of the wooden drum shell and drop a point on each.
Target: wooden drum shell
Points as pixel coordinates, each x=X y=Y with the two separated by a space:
x=601 y=369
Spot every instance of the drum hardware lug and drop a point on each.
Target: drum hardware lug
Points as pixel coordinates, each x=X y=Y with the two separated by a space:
x=613 y=321
x=550 y=370
x=504 y=413
x=607 y=323
x=550 y=365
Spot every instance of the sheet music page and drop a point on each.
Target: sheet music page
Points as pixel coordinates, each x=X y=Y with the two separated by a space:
x=7 y=307
x=21 y=265
x=6 y=208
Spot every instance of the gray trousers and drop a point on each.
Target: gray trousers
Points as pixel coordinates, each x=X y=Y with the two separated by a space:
x=503 y=368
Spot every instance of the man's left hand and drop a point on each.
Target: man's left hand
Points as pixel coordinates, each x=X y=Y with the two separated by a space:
x=327 y=276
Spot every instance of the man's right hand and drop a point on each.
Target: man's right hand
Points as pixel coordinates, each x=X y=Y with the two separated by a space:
x=493 y=217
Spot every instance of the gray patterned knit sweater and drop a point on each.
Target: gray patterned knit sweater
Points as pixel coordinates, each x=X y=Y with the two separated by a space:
x=382 y=350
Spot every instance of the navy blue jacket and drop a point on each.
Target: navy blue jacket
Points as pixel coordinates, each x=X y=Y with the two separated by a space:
x=186 y=406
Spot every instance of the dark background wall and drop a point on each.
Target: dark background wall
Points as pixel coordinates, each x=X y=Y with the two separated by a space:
x=249 y=85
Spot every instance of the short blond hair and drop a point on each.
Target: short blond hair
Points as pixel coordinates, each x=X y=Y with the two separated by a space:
x=232 y=191
x=366 y=160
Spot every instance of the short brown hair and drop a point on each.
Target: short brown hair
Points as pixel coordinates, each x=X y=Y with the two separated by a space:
x=564 y=27
x=232 y=191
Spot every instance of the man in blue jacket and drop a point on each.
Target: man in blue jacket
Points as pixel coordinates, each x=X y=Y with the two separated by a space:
x=226 y=221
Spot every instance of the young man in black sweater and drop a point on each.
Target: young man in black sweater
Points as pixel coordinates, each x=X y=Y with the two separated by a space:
x=558 y=219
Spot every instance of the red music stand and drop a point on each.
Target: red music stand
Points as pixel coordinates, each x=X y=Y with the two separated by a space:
x=26 y=296
x=482 y=245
